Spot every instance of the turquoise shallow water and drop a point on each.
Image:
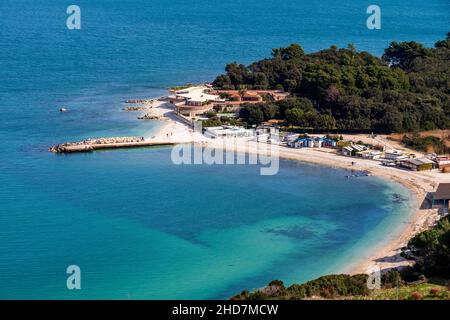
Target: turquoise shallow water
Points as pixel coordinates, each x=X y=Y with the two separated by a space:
x=138 y=226
x=141 y=227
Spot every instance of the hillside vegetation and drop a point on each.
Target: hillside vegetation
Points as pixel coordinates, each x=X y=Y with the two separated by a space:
x=406 y=90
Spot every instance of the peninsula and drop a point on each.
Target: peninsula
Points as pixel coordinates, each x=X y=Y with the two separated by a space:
x=386 y=116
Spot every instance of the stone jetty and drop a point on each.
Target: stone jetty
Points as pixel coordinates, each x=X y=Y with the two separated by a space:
x=105 y=143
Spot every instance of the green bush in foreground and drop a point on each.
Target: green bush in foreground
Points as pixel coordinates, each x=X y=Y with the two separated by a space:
x=326 y=287
x=346 y=287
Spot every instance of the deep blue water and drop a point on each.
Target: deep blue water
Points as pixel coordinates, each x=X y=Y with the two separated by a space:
x=138 y=226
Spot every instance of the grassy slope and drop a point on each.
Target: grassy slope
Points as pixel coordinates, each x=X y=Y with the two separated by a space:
x=407 y=292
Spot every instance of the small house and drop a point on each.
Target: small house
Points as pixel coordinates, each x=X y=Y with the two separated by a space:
x=348 y=151
x=394 y=155
x=329 y=143
x=318 y=143
x=369 y=154
x=418 y=164
x=442 y=196
x=443 y=162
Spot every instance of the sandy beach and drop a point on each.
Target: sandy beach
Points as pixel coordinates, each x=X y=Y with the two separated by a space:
x=384 y=256
x=172 y=128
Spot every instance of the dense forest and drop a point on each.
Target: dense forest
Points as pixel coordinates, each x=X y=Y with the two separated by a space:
x=406 y=90
x=429 y=249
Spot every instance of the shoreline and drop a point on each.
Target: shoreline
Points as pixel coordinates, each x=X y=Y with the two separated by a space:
x=385 y=255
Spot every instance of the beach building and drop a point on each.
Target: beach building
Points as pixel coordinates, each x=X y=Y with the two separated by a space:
x=442 y=196
x=318 y=143
x=394 y=155
x=196 y=100
x=348 y=151
x=369 y=154
x=443 y=162
x=418 y=164
x=292 y=137
x=329 y=143
x=233 y=99
x=295 y=141
x=228 y=132
x=352 y=150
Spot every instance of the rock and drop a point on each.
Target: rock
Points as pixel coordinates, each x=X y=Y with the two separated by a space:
x=136 y=108
x=148 y=117
x=139 y=101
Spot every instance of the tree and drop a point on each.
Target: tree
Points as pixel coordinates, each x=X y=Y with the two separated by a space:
x=303 y=104
x=324 y=121
x=294 y=116
x=294 y=51
x=261 y=82
x=269 y=110
x=406 y=90
x=251 y=114
x=242 y=91
x=443 y=43
x=403 y=54
x=392 y=121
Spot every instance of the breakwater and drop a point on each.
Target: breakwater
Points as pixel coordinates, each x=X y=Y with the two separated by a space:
x=106 y=143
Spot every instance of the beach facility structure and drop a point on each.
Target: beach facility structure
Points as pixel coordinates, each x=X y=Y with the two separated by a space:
x=369 y=154
x=443 y=162
x=394 y=155
x=233 y=99
x=418 y=164
x=228 y=132
x=441 y=197
x=195 y=100
x=329 y=143
x=295 y=141
x=352 y=150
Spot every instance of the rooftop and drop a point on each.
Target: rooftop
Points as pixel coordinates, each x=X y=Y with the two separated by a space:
x=197 y=94
x=442 y=192
x=420 y=161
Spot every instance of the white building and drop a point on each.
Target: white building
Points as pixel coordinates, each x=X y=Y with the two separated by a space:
x=193 y=101
x=228 y=132
x=195 y=96
x=394 y=155
x=352 y=150
x=369 y=154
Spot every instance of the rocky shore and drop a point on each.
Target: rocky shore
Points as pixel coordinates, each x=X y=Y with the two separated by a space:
x=149 y=117
x=139 y=101
x=135 y=108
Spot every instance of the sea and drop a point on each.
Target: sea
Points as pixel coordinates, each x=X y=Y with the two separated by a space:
x=135 y=225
